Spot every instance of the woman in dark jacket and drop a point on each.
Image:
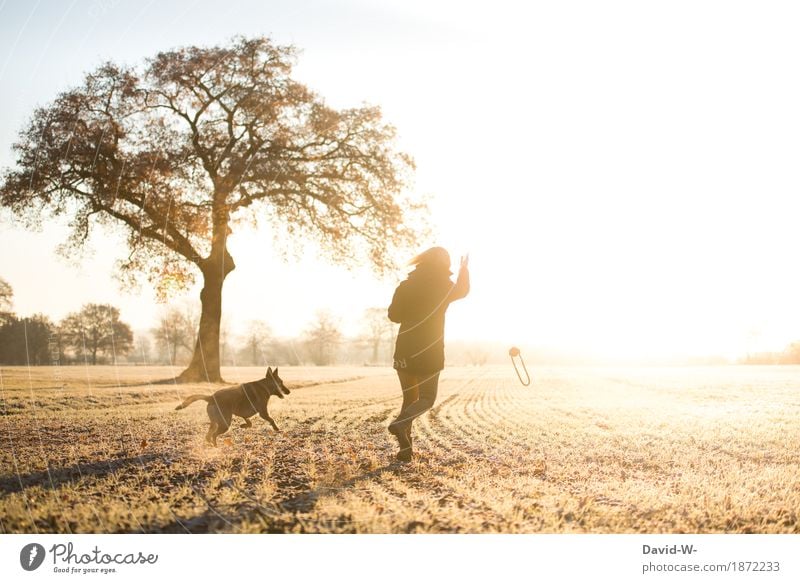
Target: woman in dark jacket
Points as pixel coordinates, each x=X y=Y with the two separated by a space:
x=419 y=305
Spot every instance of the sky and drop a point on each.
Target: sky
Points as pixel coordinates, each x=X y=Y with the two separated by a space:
x=624 y=175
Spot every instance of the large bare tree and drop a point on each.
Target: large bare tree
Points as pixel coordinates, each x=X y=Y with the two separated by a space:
x=197 y=141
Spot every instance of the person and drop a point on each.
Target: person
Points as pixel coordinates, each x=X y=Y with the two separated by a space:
x=419 y=305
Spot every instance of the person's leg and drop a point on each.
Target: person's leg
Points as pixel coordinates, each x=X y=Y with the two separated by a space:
x=427 y=387
x=410 y=387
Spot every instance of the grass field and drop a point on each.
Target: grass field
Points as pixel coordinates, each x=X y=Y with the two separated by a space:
x=581 y=450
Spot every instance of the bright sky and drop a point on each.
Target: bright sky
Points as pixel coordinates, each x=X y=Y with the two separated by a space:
x=624 y=174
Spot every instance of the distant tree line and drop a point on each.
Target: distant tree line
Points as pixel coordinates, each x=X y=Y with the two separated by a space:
x=322 y=343
x=96 y=335
x=93 y=335
x=790 y=355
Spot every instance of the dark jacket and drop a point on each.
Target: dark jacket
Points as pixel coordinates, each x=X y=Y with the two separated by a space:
x=419 y=305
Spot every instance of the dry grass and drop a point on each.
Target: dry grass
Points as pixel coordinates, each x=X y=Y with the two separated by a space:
x=581 y=450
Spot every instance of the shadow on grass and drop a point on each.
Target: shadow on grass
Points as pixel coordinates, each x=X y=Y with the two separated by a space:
x=53 y=478
x=160 y=382
x=275 y=517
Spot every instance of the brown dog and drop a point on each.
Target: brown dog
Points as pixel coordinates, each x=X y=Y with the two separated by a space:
x=245 y=401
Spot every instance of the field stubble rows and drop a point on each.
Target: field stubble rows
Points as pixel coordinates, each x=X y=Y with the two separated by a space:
x=581 y=450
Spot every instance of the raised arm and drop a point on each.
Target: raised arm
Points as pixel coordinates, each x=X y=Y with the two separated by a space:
x=461 y=287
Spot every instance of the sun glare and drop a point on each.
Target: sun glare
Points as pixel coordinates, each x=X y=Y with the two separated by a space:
x=614 y=201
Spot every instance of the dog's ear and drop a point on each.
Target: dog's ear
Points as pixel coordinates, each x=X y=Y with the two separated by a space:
x=269 y=372
x=275 y=372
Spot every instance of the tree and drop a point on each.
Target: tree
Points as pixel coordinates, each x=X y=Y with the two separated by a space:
x=224 y=346
x=377 y=330
x=6 y=301
x=791 y=355
x=175 y=330
x=199 y=141
x=256 y=341
x=477 y=355
x=97 y=330
x=284 y=351
x=28 y=341
x=142 y=349
x=322 y=339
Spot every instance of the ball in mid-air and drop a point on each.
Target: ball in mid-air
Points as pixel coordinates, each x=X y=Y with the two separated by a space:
x=513 y=351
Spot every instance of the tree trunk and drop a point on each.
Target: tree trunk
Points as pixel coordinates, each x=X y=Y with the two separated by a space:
x=205 y=363
x=94 y=347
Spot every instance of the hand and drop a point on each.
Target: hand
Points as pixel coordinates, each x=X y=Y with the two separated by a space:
x=464 y=262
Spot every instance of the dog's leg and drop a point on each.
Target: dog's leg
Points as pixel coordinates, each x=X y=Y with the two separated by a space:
x=265 y=416
x=219 y=429
x=211 y=436
x=246 y=423
x=222 y=429
x=220 y=422
x=223 y=424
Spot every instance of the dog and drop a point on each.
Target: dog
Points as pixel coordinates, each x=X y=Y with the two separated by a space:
x=245 y=401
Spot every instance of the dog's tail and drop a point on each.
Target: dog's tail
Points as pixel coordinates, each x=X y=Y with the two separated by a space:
x=189 y=400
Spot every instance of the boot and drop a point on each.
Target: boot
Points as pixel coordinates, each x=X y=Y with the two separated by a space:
x=403 y=440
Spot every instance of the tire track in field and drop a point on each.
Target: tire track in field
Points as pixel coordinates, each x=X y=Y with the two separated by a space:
x=460 y=416
x=438 y=502
x=418 y=498
x=452 y=447
x=479 y=419
x=514 y=433
x=464 y=419
x=509 y=417
x=476 y=419
x=443 y=435
x=503 y=409
x=451 y=423
x=350 y=408
x=405 y=484
x=368 y=421
x=490 y=468
x=520 y=429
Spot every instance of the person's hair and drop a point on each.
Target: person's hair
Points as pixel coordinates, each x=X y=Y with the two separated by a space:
x=435 y=256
